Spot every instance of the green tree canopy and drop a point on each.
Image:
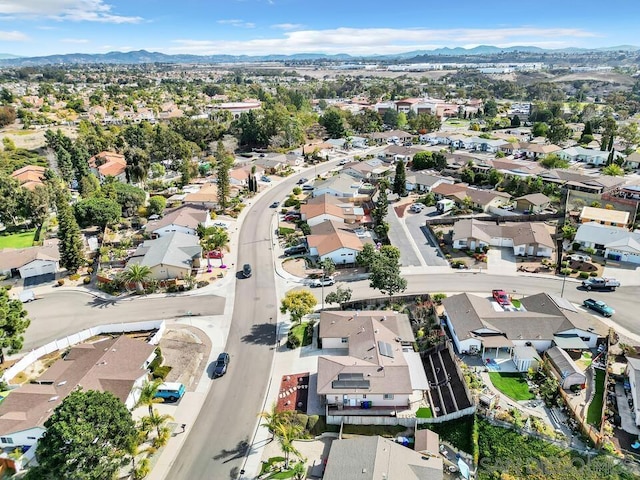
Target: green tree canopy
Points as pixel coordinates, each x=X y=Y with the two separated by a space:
x=298 y=303
x=333 y=122
x=97 y=211
x=13 y=324
x=86 y=438
x=157 y=205
x=400 y=179
x=613 y=170
x=129 y=197
x=553 y=161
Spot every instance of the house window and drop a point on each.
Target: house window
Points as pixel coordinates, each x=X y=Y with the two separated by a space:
x=344 y=339
x=388 y=396
x=6 y=440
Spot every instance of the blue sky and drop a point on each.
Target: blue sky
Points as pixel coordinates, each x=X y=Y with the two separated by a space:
x=258 y=27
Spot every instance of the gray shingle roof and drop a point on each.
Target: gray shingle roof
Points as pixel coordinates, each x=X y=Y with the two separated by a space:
x=175 y=249
x=375 y=458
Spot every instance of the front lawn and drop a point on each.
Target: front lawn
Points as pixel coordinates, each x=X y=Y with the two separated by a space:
x=18 y=240
x=594 y=413
x=513 y=385
x=301 y=334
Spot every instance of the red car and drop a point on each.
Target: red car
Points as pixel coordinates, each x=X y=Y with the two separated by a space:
x=291 y=217
x=215 y=254
x=501 y=297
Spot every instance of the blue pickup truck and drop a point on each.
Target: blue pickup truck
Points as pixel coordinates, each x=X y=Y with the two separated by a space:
x=599 y=306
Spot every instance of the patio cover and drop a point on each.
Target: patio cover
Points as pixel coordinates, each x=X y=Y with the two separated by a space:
x=496 y=341
x=526 y=353
x=416 y=371
x=571 y=342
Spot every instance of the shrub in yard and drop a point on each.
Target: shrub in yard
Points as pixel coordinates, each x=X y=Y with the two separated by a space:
x=86 y=280
x=565 y=271
x=74 y=276
x=283 y=231
x=161 y=372
x=574 y=271
x=584 y=275
x=312 y=421
x=60 y=282
x=90 y=270
x=593 y=274
x=293 y=341
x=301 y=419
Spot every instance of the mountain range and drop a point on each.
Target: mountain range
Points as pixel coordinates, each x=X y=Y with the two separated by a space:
x=143 y=56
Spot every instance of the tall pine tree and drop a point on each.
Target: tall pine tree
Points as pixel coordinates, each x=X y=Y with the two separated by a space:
x=400 y=180
x=70 y=246
x=224 y=161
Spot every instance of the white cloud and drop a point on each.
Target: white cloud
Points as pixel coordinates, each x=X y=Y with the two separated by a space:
x=372 y=41
x=234 y=22
x=61 y=10
x=74 y=40
x=13 y=36
x=288 y=26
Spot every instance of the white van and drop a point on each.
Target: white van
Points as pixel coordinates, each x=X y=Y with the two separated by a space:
x=27 y=296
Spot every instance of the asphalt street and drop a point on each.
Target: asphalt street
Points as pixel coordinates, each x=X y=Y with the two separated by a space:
x=62 y=313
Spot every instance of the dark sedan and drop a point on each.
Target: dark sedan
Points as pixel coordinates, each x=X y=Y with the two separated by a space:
x=220 y=368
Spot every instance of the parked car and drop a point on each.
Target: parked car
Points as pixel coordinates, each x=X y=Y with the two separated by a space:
x=171 y=391
x=322 y=282
x=416 y=207
x=343 y=162
x=578 y=257
x=264 y=178
x=291 y=217
x=275 y=204
x=214 y=254
x=220 y=367
x=295 y=250
x=27 y=296
x=501 y=297
x=599 y=306
x=303 y=180
x=307 y=187
x=600 y=283
x=246 y=270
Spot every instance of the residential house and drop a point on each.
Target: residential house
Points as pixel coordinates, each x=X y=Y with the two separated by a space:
x=616 y=243
x=586 y=155
x=517 y=168
x=603 y=216
x=478 y=325
x=632 y=371
x=206 y=196
x=632 y=161
x=537 y=150
x=375 y=458
x=321 y=148
x=341 y=185
x=446 y=190
x=373 y=371
x=237 y=108
x=334 y=240
x=426 y=182
x=573 y=180
x=184 y=219
x=327 y=207
x=369 y=170
x=390 y=136
x=526 y=238
x=565 y=369
x=117 y=365
x=272 y=163
x=171 y=256
x=108 y=164
x=30 y=176
x=359 y=142
x=533 y=203
x=240 y=175
x=32 y=261
x=479 y=199
x=397 y=153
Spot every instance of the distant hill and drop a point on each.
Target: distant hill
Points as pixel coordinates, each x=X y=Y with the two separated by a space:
x=143 y=56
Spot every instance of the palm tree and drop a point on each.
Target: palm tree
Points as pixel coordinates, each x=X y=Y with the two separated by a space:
x=148 y=395
x=157 y=421
x=215 y=238
x=137 y=274
x=286 y=433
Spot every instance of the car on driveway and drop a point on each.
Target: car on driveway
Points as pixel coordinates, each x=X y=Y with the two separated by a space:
x=322 y=282
x=599 y=306
x=303 y=180
x=416 y=207
x=220 y=367
x=295 y=250
x=246 y=270
x=501 y=297
x=291 y=217
x=275 y=204
x=266 y=179
x=214 y=254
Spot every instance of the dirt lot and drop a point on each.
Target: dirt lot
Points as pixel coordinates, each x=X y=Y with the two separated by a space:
x=186 y=349
x=33 y=139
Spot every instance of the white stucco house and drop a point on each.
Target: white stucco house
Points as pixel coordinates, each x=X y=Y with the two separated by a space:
x=184 y=219
x=335 y=240
x=32 y=261
x=525 y=238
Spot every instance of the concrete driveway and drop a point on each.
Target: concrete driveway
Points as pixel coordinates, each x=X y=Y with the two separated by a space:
x=501 y=261
x=399 y=237
x=426 y=243
x=627 y=274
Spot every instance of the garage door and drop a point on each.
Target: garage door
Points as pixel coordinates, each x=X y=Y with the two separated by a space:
x=37 y=269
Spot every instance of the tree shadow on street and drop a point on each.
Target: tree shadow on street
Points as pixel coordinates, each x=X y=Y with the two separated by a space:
x=261 y=334
x=239 y=451
x=98 y=302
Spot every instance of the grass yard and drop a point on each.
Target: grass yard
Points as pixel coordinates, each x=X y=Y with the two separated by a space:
x=458 y=433
x=594 y=413
x=369 y=430
x=513 y=385
x=18 y=240
x=424 y=412
x=302 y=333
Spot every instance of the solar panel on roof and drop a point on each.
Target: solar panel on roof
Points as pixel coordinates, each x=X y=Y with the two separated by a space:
x=350 y=384
x=385 y=349
x=350 y=376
